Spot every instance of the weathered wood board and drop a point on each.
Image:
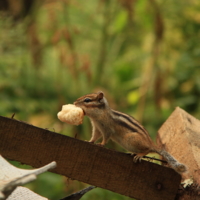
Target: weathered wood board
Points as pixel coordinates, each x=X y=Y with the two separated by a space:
x=87 y=162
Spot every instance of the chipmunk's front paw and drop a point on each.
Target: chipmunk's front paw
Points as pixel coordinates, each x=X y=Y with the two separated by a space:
x=90 y=141
x=100 y=144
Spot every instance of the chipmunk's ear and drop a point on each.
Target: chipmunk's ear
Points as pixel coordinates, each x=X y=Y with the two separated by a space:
x=100 y=95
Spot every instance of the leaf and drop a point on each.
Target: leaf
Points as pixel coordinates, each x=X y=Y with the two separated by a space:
x=120 y=21
x=79 y=194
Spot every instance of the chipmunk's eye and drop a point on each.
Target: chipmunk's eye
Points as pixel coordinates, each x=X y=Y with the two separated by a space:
x=87 y=100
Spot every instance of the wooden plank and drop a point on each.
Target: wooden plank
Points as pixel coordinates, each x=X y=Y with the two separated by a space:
x=87 y=162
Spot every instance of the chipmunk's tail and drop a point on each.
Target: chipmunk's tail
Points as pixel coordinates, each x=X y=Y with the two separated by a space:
x=178 y=167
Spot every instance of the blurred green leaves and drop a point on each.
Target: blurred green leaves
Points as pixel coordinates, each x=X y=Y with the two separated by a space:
x=120 y=21
x=143 y=54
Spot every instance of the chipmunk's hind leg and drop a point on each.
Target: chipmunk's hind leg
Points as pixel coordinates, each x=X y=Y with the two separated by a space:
x=138 y=157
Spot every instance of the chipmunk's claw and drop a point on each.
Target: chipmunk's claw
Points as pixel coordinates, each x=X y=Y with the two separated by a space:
x=137 y=158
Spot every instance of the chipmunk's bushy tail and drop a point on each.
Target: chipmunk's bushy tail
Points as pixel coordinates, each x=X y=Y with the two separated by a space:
x=178 y=167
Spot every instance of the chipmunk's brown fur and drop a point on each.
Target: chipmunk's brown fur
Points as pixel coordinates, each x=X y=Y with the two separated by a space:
x=121 y=128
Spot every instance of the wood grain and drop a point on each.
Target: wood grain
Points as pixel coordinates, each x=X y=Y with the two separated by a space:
x=87 y=162
x=180 y=136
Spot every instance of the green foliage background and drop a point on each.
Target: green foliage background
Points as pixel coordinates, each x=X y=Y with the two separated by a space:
x=144 y=55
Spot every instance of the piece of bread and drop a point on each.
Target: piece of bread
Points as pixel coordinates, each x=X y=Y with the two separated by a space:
x=71 y=114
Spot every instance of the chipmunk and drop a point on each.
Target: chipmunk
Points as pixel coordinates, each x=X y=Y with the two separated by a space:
x=121 y=128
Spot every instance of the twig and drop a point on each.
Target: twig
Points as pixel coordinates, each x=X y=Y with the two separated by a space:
x=103 y=42
x=152 y=62
x=79 y=194
x=13 y=115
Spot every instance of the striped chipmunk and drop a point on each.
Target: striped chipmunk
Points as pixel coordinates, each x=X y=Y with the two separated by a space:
x=121 y=128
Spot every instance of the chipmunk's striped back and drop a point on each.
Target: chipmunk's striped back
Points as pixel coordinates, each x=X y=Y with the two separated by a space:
x=128 y=122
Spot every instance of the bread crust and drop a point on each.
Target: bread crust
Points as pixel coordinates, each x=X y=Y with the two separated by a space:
x=71 y=114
